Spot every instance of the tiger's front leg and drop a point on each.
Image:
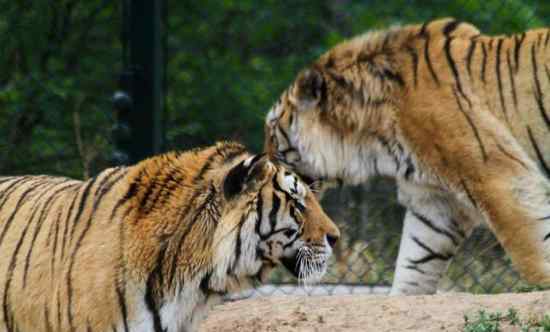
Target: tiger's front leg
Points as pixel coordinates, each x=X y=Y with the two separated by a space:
x=433 y=230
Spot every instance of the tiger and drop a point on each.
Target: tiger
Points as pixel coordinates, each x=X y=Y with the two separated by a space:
x=458 y=118
x=153 y=246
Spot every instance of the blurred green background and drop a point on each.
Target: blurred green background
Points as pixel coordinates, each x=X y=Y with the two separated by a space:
x=226 y=62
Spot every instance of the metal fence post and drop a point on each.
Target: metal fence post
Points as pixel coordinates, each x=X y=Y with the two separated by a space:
x=139 y=103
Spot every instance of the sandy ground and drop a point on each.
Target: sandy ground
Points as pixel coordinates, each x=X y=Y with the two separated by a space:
x=376 y=313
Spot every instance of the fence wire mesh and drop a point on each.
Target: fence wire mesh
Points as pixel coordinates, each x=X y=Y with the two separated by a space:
x=226 y=63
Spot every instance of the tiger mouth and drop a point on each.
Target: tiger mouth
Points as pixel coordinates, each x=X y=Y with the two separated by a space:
x=306 y=265
x=291 y=264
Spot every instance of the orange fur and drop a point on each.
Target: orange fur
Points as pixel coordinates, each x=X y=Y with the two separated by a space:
x=451 y=110
x=113 y=252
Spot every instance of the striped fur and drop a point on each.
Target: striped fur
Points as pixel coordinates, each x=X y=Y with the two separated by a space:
x=150 y=247
x=460 y=119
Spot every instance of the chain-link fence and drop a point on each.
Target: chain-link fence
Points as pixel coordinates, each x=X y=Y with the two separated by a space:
x=225 y=63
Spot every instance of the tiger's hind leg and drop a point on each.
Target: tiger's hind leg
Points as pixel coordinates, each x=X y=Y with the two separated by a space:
x=518 y=212
x=434 y=228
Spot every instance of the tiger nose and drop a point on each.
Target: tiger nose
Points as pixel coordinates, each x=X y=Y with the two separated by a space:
x=331 y=239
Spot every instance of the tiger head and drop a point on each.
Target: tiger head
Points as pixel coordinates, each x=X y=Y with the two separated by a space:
x=336 y=114
x=270 y=218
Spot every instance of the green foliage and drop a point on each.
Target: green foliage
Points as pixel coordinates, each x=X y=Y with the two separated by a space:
x=226 y=63
x=495 y=322
x=56 y=77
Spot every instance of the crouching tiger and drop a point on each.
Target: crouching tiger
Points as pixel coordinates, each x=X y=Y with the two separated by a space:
x=151 y=247
x=459 y=118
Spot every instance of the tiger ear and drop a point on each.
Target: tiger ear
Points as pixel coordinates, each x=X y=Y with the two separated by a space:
x=240 y=176
x=308 y=89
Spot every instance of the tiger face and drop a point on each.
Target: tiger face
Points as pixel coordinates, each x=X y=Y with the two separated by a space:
x=306 y=131
x=283 y=222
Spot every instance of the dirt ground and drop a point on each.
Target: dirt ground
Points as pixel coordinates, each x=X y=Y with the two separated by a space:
x=367 y=313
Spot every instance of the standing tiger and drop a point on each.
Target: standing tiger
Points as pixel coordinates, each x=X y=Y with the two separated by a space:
x=150 y=247
x=461 y=120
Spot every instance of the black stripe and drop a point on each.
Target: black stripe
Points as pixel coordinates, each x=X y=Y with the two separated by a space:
x=82 y=203
x=151 y=185
x=9 y=178
x=58 y=311
x=45 y=206
x=13 y=260
x=452 y=64
x=228 y=157
x=517 y=49
x=104 y=187
x=274 y=210
x=431 y=256
x=546 y=237
x=471 y=51
x=415 y=268
x=260 y=212
x=428 y=61
x=285 y=135
x=292 y=241
x=547 y=38
x=205 y=167
x=120 y=281
x=165 y=190
x=238 y=244
x=483 y=62
x=123 y=308
x=450 y=27
x=468 y=193
x=535 y=145
x=499 y=80
x=46 y=211
x=67 y=219
x=474 y=128
x=414 y=59
x=20 y=202
x=78 y=243
x=409 y=168
x=149 y=297
x=6 y=193
x=511 y=156
x=205 y=283
x=393 y=76
x=512 y=80
x=423 y=30
x=132 y=191
x=47 y=321
x=54 y=247
x=186 y=230
x=48 y=206
x=538 y=91
x=428 y=223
